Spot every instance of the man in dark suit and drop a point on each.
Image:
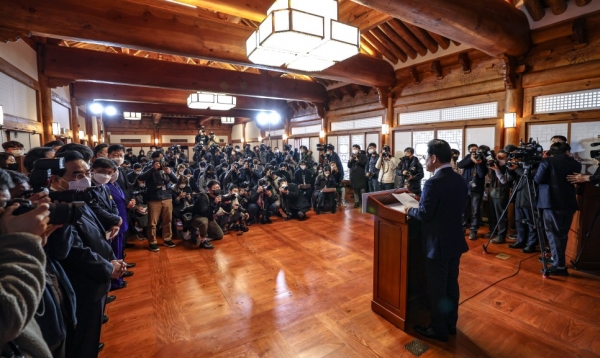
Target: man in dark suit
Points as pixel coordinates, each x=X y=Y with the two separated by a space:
x=357 y=164
x=440 y=212
x=557 y=200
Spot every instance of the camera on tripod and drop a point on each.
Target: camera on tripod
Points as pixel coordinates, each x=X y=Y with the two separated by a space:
x=526 y=154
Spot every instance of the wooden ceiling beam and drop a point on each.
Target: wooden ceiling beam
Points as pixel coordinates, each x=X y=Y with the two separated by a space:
x=535 y=8
x=408 y=36
x=371 y=39
x=168 y=109
x=144 y=27
x=495 y=26
x=365 y=19
x=86 y=92
x=557 y=6
x=398 y=40
x=387 y=42
x=77 y=64
x=423 y=36
x=370 y=49
x=441 y=40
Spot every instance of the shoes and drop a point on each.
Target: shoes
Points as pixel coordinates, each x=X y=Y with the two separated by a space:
x=357 y=205
x=100 y=347
x=473 y=235
x=301 y=215
x=243 y=228
x=511 y=238
x=549 y=260
x=428 y=332
x=131 y=264
x=169 y=243
x=140 y=236
x=318 y=210
x=104 y=319
x=343 y=204
x=529 y=249
x=153 y=248
x=487 y=236
x=517 y=245
x=121 y=286
x=206 y=245
x=499 y=240
x=555 y=271
x=110 y=299
x=127 y=274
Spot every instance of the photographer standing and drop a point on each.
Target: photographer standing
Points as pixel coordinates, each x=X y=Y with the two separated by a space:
x=371 y=170
x=411 y=171
x=357 y=164
x=159 y=180
x=386 y=166
x=333 y=157
x=474 y=172
x=293 y=202
x=499 y=188
x=558 y=202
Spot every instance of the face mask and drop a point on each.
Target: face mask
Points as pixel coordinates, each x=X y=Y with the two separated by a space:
x=371 y=151
x=320 y=171
x=118 y=161
x=355 y=151
x=326 y=174
x=217 y=192
x=138 y=172
x=303 y=167
x=16 y=152
x=276 y=150
x=114 y=177
x=182 y=186
x=101 y=178
x=13 y=166
x=502 y=162
x=80 y=184
x=142 y=185
x=188 y=176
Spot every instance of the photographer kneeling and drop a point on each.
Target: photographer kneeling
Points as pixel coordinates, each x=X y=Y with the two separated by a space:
x=293 y=201
x=263 y=203
x=205 y=213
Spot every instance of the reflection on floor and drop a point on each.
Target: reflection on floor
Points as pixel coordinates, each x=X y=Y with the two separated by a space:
x=303 y=289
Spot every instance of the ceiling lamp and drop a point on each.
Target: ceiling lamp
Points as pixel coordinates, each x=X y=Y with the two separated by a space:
x=303 y=35
x=227 y=120
x=132 y=116
x=214 y=101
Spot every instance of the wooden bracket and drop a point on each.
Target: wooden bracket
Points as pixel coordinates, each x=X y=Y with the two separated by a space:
x=320 y=110
x=156 y=118
x=580 y=37
x=59 y=82
x=436 y=68
x=384 y=93
x=509 y=71
x=412 y=71
x=10 y=35
x=463 y=59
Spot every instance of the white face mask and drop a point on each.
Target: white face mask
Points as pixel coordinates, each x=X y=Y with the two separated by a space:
x=15 y=152
x=114 y=177
x=182 y=186
x=371 y=151
x=118 y=161
x=138 y=172
x=101 y=178
x=502 y=162
x=355 y=151
x=303 y=167
x=80 y=184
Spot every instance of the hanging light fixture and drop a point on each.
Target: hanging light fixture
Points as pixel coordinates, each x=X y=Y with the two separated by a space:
x=132 y=116
x=227 y=120
x=303 y=35
x=214 y=101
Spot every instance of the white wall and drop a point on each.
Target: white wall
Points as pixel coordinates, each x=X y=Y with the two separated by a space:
x=20 y=55
x=63 y=92
x=252 y=131
x=237 y=132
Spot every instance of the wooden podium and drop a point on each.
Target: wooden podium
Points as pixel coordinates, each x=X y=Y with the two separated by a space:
x=586 y=253
x=395 y=261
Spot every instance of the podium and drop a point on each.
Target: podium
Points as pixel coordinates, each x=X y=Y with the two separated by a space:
x=397 y=277
x=586 y=251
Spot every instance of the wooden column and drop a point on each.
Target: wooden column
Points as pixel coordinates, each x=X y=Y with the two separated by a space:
x=514 y=103
x=88 y=130
x=389 y=120
x=46 y=104
x=74 y=121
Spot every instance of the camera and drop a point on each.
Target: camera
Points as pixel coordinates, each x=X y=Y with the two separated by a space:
x=385 y=155
x=175 y=148
x=490 y=158
x=43 y=170
x=60 y=214
x=287 y=147
x=87 y=196
x=526 y=154
x=595 y=153
x=284 y=187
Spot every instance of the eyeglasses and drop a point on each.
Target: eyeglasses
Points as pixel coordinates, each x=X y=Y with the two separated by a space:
x=80 y=176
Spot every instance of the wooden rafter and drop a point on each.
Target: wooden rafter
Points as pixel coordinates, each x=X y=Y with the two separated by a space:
x=387 y=42
x=408 y=36
x=441 y=40
x=398 y=40
x=373 y=41
x=424 y=37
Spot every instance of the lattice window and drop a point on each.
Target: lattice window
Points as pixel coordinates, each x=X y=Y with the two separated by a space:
x=454 y=137
x=275 y=133
x=420 y=140
x=343 y=150
x=543 y=132
x=482 y=136
x=476 y=111
x=356 y=124
x=298 y=130
x=312 y=129
x=359 y=139
x=567 y=102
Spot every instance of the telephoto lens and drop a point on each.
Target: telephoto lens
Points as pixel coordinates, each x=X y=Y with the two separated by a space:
x=60 y=214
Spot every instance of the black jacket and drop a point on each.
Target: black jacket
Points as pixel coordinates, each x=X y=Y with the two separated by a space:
x=357 y=170
x=473 y=173
x=294 y=199
x=555 y=192
x=105 y=208
x=158 y=184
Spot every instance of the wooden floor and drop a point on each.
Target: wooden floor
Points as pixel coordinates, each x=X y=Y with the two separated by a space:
x=303 y=289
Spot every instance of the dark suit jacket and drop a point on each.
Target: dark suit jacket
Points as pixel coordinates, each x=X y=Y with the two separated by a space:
x=555 y=192
x=105 y=209
x=124 y=184
x=440 y=211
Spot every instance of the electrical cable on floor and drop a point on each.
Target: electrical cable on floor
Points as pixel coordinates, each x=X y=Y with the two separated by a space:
x=500 y=280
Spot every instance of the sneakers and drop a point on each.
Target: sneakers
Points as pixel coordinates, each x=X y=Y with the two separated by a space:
x=499 y=240
x=169 y=243
x=555 y=271
x=206 y=245
x=153 y=248
x=343 y=204
x=473 y=235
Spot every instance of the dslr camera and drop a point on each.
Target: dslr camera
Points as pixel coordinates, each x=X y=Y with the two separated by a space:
x=60 y=214
x=526 y=154
x=595 y=153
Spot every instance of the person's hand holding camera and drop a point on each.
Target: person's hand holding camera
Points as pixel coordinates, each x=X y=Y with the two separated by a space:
x=40 y=197
x=260 y=189
x=33 y=222
x=167 y=170
x=131 y=204
x=218 y=200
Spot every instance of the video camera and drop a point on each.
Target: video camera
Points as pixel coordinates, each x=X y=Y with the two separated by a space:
x=175 y=148
x=323 y=147
x=287 y=147
x=595 y=153
x=39 y=179
x=526 y=154
x=60 y=214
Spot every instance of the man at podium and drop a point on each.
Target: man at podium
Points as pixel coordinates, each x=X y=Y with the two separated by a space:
x=440 y=212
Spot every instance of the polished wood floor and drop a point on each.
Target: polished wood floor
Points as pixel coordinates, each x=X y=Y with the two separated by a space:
x=303 y=289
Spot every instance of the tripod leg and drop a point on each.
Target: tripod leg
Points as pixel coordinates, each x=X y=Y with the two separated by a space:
x=539 y=229
x=485 y=246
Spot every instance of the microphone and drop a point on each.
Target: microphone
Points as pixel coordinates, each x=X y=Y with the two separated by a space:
x=595 y=144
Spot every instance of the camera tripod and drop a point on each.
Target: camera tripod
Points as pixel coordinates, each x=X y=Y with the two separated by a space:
x=525 y=179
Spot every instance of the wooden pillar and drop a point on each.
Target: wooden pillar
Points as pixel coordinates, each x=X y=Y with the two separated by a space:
x=389 y=120
x=74 y=121
x=46 y=104
x=514 y=103
x=88 y=130
x=324 y=126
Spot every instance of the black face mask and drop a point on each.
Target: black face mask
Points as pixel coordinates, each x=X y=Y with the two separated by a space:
x=217 y=192
x=13 y=166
